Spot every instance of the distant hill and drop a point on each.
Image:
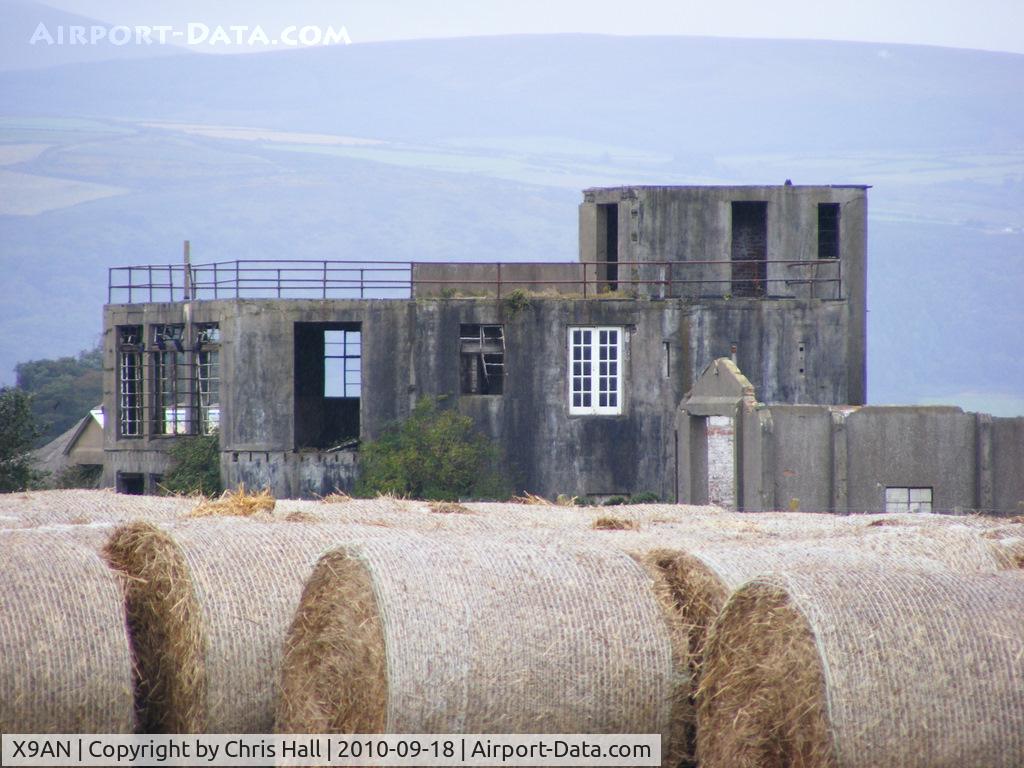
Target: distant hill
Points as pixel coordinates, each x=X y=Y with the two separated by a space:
x=21 y=19
x=476 y=149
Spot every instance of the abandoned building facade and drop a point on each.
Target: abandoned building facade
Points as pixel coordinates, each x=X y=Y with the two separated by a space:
x=579 y=370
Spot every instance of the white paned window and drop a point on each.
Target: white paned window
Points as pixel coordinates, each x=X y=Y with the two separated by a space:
x=595 y=370
x=908 y=500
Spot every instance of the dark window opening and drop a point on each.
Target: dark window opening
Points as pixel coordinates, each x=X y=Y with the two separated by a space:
x=129 y=381
x=171 y=381
x=828 y=230
x=482 y=359
x=328 y=384
x=749 y=248
x=608 y=245
x=132 y=483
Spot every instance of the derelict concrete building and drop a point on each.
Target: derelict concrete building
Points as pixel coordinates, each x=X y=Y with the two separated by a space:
x=576 y=368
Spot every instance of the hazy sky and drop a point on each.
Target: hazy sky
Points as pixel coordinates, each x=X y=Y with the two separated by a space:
x=985 y=24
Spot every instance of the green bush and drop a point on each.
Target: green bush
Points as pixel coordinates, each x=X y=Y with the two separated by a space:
x=196 y=468
x=434 y=454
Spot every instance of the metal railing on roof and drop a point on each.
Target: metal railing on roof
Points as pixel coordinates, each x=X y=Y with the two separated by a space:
x=335 y=279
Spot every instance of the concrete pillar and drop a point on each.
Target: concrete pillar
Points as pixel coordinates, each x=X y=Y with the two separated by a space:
x=767 y=430
x=840 y=452
x=985 y=496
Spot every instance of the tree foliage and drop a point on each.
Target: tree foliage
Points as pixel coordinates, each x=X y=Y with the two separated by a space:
x=196 y=468
x=18 y=431
x=63 y=390
x=434 y=454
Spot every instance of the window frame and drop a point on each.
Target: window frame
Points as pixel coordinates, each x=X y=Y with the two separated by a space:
x=351 y=374
x=910 y=505
x=131 y=408
x=591 y=384
x=476 y=360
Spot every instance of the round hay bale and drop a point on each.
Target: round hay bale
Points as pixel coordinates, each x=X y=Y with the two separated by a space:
x=79 y=506
x=704 y=577
x=209 y=602
x=865 y=667
x=65 y=663
x=475 y=636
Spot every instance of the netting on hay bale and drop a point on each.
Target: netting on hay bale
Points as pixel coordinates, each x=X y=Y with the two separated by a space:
x=474 y=636
x=65 y=663
x=209 y=602
x=852 y=668
x=78 y=506
x=702 y=577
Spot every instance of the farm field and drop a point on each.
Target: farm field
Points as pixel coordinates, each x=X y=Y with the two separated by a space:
x=740 y=638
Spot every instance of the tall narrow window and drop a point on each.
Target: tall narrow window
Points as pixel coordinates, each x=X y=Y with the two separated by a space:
x=171 y=381
x=207 y=387
x=342 y=363
x=828 y=230
x=482 y=359
x=129 y=381
x=595 y=363
x=608 y=244
x=749 y=248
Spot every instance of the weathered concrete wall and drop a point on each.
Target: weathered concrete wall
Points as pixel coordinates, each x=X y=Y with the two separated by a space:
x=842 y=459
x=791 y=351
x=1007 y=465
x=913 y=446
x=454 y=279
x=801 y=458
x=291 y=474
x=692 y=224
x=410 y=349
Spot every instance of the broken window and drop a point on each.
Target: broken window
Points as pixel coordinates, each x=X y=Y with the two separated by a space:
x=129 y=381
x=482 y=359
x=342 y=363
x=207 y=368
x=908 y=500
x=171 y=381
x=749 y=248
x=828 y=230
x=595 y=364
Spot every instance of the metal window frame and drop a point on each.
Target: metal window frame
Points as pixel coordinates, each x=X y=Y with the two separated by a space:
x=171 y=379
x=345 y=357
x=131 y=408
x=206 y=367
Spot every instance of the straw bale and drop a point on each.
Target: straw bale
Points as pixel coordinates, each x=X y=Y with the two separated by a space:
x=865 y=667
x=470 y=635
x=705 y=576
x=65 y=663
x=209 y=602
x=77 y=506
x=237 y=503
